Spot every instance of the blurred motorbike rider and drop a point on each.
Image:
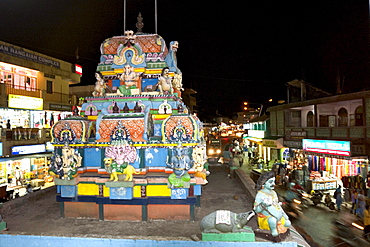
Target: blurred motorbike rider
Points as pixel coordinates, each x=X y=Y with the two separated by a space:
x=291 y=193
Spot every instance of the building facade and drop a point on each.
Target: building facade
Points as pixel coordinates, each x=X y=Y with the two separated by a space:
x=329 y=135
x=34 y=93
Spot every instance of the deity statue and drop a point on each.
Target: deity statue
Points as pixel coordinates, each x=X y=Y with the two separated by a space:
x=118 y=156
x=66 y=165
x=177 y=84
x=270 y=214
x=130 y=80
x=199 y=160
x=165 y=82
x=181 y=164
x=100 y=86
x=171 y=58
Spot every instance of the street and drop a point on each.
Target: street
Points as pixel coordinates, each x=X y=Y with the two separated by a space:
x=29 y=214
x=316 y=220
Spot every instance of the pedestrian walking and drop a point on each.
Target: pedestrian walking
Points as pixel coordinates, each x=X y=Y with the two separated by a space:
x=245 y=152
x=227 y=159
x=361 y=203
x=8 y=125
x=250 y=152
x=353 y=201
x=338 y=197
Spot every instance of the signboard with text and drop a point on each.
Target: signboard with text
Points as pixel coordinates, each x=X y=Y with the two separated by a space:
x=31 y=56
x=28 y=149
x=342 y=148
x=295 y=135
x=25 y=102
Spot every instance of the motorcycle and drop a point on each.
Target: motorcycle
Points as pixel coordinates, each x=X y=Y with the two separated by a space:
x=347 y=229
x=292 y=207
x=301 y=194
x=317 y=199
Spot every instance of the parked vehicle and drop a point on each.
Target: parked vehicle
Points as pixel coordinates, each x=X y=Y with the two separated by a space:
x=317 y=198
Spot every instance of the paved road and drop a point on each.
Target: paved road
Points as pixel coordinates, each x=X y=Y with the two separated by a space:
x=316 y=220
x=38 y=213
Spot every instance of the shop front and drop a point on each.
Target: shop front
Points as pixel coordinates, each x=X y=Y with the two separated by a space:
x=254 y=139
x=271 y=148
x=330 y=163
x=27 y=165
x=28 y=112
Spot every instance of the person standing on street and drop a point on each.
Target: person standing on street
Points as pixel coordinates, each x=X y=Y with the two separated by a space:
x=18 y=176
x=354 y=201
x=338 y=197
x=361 y=203
x=250 y=152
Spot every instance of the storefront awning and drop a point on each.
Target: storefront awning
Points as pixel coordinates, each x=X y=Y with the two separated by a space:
x=273 y=142
x=254 y=139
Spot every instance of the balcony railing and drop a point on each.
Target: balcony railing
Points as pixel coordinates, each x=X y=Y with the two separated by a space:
x=353 y=132
x=32 y=93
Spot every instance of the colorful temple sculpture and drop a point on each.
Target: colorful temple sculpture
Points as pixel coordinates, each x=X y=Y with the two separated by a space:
x=133 y=152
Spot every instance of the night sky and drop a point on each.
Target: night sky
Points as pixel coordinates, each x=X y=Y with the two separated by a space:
x=228 y=52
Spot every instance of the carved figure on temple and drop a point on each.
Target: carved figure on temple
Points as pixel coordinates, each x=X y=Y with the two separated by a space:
x=114 y=169
x=130 y=79
x=165 y=82
x=180 y=163
x=65 y=166
x=171 y=58
x=100 y=86
x=177 y=84
x=270 y=214
x=225 y=221
x=199 y=159
x=117 y=159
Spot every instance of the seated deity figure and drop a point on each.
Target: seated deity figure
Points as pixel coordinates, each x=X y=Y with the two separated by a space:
x=269 y=212
x=130 y=79
x=165 y=82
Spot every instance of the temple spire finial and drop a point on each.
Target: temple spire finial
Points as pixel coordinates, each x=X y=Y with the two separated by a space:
x=139 y=23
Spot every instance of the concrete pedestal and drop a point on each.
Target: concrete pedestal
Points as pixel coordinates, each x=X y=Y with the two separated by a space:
x=247 y=236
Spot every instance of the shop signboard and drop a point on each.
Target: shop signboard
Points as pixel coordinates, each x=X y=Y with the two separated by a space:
x=28 y=149
x=332 y=147
x=25 y=102
x=273 y=143
x=31 y=56
x=78 y=69
x=58 y=107
x=295 y=135
x=293 y=144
